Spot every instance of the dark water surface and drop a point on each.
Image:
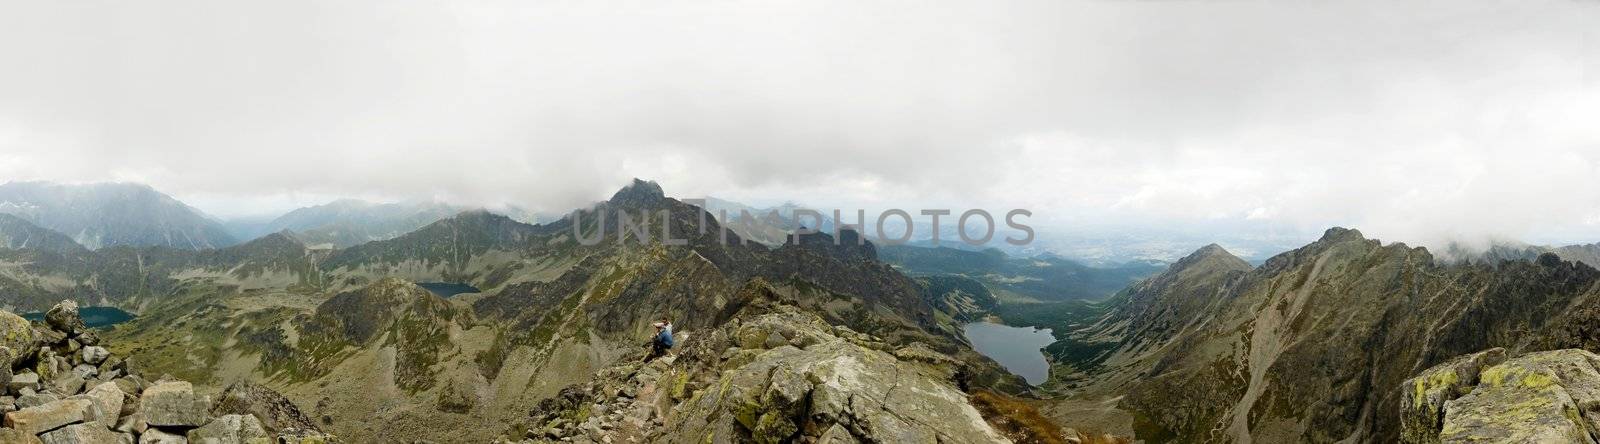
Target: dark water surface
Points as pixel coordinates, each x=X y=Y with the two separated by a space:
x=1016 y=348
x=94 y=317
x=447 y=289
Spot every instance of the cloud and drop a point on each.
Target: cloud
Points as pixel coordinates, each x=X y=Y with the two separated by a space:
x=1413 y=121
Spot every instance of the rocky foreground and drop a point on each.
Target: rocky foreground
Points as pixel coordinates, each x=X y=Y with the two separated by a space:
x=775 y=373
x=1541 y=397
x=62 y=387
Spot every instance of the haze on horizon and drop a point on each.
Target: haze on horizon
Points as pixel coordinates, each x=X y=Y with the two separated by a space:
x=1417 y=122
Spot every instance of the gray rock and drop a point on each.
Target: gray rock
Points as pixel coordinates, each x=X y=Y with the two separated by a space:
x=158 y=436
x=13 y=436
x=86 y=433
x=95 y=355
x=86 y=371
x=36 y=400
x=109 y=399
x=68 y=383
x=23 y=381
x=173 y=404
x=230 y=429
x=16 y=334
x=64 y=317
x=53 y=415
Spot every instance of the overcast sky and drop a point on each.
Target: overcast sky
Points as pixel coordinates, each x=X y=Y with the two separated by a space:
x=1414 y=121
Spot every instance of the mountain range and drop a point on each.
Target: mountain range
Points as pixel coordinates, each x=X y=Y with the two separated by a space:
x=1346 y=339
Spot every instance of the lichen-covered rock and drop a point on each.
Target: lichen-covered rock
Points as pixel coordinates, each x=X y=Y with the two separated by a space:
x=231 y=429
x=1551 y=396
x=1423 y=414
x=173 y=404
x=16 y=334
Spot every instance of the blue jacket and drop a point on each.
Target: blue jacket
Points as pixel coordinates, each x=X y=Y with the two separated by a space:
x=665 y=337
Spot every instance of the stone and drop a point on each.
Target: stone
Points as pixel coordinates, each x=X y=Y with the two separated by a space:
x=64 y=317
x=86 y=371
x=1551 y=396
x=35 y=400
x=231 y=429
x=13 y=436
x=158 y=436
x=132 y=423
x=109 y=399
x=86 y=433
x=275 y=411
x=16 y=334
x=53 y=415
x=173 y=404
x=88 y=338
x=837 y=434
x=95 y=355
x=69 y=383
x=23 y=381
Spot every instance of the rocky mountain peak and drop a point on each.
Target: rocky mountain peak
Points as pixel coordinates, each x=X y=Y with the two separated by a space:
x=1341 y=234
x=638 y=193
x=1212 y=254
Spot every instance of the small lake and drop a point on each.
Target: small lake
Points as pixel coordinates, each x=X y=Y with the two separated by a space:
x=94 y=317
x=1016 y=348
x=447 y=289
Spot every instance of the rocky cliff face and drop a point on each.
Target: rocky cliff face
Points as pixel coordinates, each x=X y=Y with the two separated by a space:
x=61 y=386
x=1551 y=396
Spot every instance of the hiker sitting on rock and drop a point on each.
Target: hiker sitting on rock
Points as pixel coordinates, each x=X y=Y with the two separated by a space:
x=662 y=341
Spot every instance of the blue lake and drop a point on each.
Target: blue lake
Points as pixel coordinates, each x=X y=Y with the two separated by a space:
x=1016 y=348
x=447 y=289
x=94 y=317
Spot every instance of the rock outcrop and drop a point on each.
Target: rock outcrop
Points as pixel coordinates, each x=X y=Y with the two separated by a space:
x=782 y=375
x=60 y=388
x=1551 y=396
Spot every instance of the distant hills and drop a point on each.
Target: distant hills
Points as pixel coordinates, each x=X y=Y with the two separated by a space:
x=112 y=214
x=1045 y=278
x=347 y=222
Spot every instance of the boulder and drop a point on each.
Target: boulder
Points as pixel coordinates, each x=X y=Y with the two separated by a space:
x=1423 y=413
x=109 y=399
x=64 y=317
x=1551 y=396
x=231 y=429
x=86 y=433
x=173 y=404
x=158 y=436
x=35 y=400
x=68 y=383
x=14 y=436
x=95 y=355
x=53 y=415
x=16 y=334
x=23 y=381
x=275 y=411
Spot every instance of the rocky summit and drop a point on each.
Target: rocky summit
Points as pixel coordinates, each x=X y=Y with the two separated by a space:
x=62 y=387
x=771 y=373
